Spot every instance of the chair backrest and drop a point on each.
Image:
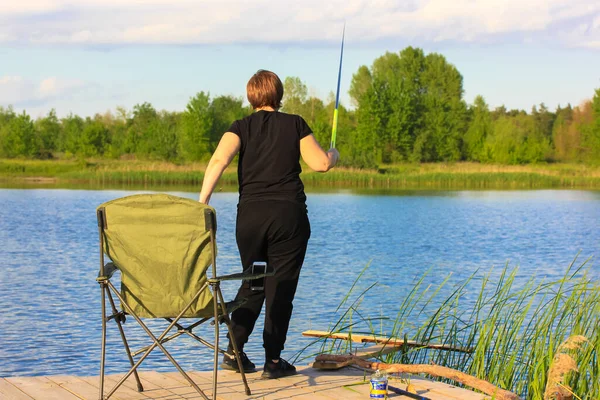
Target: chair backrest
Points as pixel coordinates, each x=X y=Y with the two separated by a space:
x=163 y=246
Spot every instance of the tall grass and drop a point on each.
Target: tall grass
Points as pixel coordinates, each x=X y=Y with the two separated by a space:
x=514 y=328
x=399 y=176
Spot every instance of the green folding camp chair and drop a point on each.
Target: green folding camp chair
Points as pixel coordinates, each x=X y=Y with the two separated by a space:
x=163 y=246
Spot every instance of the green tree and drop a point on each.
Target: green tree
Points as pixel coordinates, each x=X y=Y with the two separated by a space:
x=444 y=111
x=18 y=137
x=140 y=135
x=72 y=129
x=544 y=118
x=389 y=98
x=564 y=149
x=591 y=136
x=405 y=103
x=48 y=131
x=363 y=140
x=478 y=131
x=6 y=116
x=516 y=140
x=225 y=110
x=93 y=140
x=162 y=137
x=410 y=107
x=117 y=126
x=295 y=93
x=502 y=145
x=320 y=117
x=360 y=84
x=196 y=127
x=499 y=112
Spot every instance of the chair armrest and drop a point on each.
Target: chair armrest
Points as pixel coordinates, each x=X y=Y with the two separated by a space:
x=109 y=270
x=246 y=275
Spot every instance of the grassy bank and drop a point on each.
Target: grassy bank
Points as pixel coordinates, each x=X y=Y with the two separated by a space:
x=401 y=176
x=517 y=330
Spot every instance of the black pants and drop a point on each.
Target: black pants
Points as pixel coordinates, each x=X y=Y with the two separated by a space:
x=276 y=232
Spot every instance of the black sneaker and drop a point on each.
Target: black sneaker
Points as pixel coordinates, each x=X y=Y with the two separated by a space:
x=279 y=369
x=230 y=363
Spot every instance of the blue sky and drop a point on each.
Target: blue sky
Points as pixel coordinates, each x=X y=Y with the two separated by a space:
x=92 y=56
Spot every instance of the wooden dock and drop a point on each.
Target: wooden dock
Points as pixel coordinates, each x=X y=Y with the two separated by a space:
x=348 y=383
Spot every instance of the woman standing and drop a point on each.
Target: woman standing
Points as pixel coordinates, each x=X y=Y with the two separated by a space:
x=272 y=222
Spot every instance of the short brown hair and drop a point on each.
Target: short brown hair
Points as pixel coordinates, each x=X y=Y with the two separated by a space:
x=264 y=89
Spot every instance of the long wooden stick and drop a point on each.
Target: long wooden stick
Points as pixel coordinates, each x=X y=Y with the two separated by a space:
x=357 y=338
x=434 y=370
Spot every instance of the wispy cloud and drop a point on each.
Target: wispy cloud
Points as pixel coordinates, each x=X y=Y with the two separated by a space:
x=573 y=23
x=21 y=92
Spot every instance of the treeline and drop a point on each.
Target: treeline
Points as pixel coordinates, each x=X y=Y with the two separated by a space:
x=408 y=107
x=144 y=132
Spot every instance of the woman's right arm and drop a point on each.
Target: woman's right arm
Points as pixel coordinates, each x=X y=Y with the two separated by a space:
x=227 y=148
x=315 y=157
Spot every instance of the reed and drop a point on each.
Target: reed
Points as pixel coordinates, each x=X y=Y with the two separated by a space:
x=398 y=176
x=515 y=328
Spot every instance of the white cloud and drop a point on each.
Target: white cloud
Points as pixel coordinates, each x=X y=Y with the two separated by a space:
x=48 y=87
x=17 y=90
x=227 y=21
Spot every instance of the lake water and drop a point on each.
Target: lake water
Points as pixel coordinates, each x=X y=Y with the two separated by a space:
x=50 y=302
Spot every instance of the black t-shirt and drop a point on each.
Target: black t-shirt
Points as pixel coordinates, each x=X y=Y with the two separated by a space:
x=269 y=161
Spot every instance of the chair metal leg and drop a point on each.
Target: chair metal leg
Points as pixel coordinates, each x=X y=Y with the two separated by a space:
x=140 y=388
x=236 y=352
x=156 y=342
x=215 y=289
x=103 y=352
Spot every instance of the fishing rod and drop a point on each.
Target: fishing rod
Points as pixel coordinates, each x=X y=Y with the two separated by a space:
x=337 y=95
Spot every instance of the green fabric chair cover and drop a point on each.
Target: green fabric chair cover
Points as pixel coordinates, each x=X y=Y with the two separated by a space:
x=162 y=246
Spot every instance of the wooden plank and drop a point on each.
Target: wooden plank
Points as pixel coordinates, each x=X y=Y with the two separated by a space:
x=351 y=389
x=274 y=387
x=444 y=391
x=41 y=388
x=315 y=377
x=9 y=391
x=289 y=392
x=354 y=388
x=227 y=382
x=152 y=389
x=181 y=387
x=230 y=385
x=380 y=339
x=351 y=384
x=299 y=386
x=122 y=393
x=77 y=386
x=435 y=390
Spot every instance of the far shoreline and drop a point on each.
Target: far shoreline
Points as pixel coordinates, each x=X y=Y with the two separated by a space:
x=432 y=176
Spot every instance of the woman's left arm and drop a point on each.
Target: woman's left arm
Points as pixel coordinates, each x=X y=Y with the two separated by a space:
x=228 y=147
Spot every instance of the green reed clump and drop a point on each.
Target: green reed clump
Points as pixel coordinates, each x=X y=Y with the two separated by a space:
x=447 y=180
x=43 y=168
x=146 y=177
x=514 y=329
x=398 y=176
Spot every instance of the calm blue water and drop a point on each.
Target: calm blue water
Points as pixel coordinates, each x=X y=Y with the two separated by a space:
x=50 y=302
